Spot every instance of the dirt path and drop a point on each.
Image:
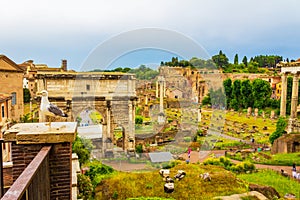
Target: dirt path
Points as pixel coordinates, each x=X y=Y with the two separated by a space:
x=124 y=165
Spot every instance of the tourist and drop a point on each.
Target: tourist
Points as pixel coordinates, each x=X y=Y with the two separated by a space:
x=189 y=152
x=294 y=171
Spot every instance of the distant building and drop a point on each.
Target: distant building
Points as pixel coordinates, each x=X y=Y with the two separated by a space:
x=11 y=81
x=30 y=71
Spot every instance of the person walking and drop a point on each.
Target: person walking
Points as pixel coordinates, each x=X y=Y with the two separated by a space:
x=294 y=170
x=189 y=152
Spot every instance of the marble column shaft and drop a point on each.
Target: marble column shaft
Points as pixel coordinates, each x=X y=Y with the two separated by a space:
x=294 y=102
x=283 y=95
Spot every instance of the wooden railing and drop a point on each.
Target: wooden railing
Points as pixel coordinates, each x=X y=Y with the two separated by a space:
x=34 y=182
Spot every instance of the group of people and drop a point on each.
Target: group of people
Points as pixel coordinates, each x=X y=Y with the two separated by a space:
x=295 y=174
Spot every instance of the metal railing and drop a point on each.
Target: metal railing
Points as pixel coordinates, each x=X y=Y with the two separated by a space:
x=34 y=182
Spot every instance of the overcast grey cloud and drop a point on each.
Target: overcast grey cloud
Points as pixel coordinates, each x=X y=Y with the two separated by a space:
x=48 y=31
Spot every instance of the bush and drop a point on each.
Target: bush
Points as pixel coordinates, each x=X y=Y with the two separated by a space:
x=98 y=171
x=227 y=164
x=280 y=128
x=243 y=167
x=138 y=119
x=82 y=147
x=187 y=139
x=169 y=165
x=139 y=148
x=85 y=186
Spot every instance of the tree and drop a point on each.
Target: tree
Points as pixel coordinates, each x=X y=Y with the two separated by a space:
x=236 y=92
x=253 y=67
x=227 y=84
x=206 y=100
x=236 y=59
x=221 y=60
x=246 y=94
x=245 y=61
x=261 y=91
x=26 y=95
x=280 y=129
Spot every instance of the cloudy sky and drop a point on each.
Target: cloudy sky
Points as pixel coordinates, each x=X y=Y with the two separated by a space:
x=48 y=31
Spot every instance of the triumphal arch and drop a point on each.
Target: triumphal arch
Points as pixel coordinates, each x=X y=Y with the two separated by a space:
x=290 y=69
x=112 y=94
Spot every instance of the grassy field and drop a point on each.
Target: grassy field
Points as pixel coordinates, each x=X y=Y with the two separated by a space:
x=282 y=184
x=150 y=184
x=234 y=121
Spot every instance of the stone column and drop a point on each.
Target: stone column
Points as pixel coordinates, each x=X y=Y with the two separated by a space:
x=283 y=95
x=164 y=84
x=161 y=97
x=108 y=119
x=294 y=102
x=146 y=99
x=156 y=89
x=199 y=115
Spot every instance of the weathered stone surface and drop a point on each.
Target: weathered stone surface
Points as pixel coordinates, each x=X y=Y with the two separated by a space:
x=40 y=133
x=243 y=195
x=287 y=143
x=267 y=191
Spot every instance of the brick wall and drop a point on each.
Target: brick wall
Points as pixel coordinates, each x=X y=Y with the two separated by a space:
x=60 y=167
x=7 y=175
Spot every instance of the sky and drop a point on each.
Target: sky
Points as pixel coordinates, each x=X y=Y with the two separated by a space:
x=49 y=31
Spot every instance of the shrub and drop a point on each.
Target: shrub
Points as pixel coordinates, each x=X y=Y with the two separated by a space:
x=243 y=167
x=85 y=187
x=187 y=139
x=82 y=147
x=168 y=165
x=138 y=119
x=280 y=127
x=139 y=148
x=97 y=171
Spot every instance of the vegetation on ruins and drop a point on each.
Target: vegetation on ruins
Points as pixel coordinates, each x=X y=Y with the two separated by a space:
x=142 y=72
x=280 y=129
x=283 y=185
x=150 y=184
x=85 y=187
x=26 y=95
x=83 y=148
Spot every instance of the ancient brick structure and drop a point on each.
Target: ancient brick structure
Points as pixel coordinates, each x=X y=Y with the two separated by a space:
x=27 y=141
x=11 y=82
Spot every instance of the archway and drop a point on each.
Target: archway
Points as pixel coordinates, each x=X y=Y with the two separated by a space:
x=89 y=117
x=119 y=138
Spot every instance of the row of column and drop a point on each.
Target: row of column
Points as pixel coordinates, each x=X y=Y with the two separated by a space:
x=161 y=81
x=294 y=100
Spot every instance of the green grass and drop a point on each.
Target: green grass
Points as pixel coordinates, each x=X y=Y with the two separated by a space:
x=282 y=184
x=150 y=184
x=285 y=159
x=95 y=117
x=289 y=158
x=144 y=129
